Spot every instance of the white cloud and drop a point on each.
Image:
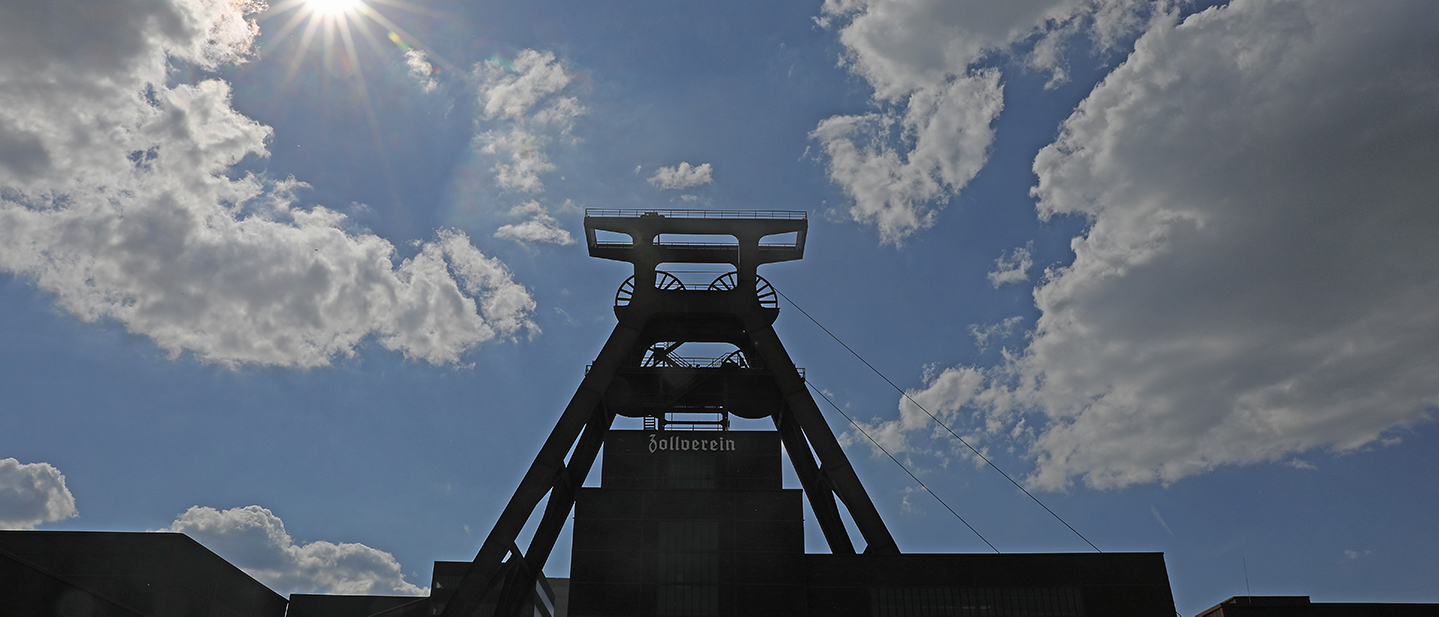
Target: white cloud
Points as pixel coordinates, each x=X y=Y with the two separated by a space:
x=31 y=494
x=1012 y=267
x=541 y=227
x=996 y=331
x=945 y=134
x=933 y=133
x=255 y=540
x=421 y=70
x=682 y=176
x=902 y=46
x=524 y=100
x=907 y=504
x=116 y=196
x=522 y=159
x=1258 y=278
x=945 y=394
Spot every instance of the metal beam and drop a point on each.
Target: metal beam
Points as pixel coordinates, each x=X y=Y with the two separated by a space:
x=557 y=509
x=833 y=461
x=819 y=492
x=543 y=474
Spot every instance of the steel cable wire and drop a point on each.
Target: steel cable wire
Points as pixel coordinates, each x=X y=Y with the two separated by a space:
x=937 y=421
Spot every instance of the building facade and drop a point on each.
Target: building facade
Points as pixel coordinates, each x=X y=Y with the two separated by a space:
x=697 y=523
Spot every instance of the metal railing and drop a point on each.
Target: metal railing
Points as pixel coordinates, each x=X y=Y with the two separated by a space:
x=684 y=362
x=704 y=245
x=790 y=215
x=799 y=369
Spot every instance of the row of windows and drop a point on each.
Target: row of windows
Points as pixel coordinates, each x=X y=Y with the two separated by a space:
x=976 y=602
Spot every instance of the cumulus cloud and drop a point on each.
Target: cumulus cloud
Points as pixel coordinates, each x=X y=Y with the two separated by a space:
x=933 y=131
x=523 y=101
x=945 y=135
x=31 y=494
x=421 y=70
x=1012 y=267
x=116 y=196
x=682 y=176
x=1258 y=277
x=255 y=540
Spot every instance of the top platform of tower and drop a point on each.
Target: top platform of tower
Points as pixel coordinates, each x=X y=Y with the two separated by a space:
x=697 y=236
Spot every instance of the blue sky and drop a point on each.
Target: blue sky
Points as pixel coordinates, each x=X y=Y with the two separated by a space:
x=1170 y=265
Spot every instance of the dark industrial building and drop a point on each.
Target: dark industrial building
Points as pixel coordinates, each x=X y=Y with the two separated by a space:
x=116 y=574
x=691 y=518
x=696 y=523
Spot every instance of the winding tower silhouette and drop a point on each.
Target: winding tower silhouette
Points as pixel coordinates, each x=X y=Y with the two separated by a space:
x=638 y=374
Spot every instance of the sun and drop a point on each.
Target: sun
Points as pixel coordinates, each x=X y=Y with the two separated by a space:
x=337 y=30
x=332 y=8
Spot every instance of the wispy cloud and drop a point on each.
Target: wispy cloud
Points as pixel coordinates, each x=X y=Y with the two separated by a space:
x=540 y=226
x=1159 y=518
x=421 y=70
x=525 y=108
x=1012 y=267
x=995 y=331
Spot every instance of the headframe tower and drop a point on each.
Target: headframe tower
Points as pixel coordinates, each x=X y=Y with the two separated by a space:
x=639 y=374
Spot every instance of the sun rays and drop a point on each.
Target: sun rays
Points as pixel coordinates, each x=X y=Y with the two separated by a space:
x=333 y=26
x=332 y=7
x=327 y=31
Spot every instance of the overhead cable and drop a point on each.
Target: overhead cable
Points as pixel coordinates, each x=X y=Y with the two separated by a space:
x=820 y=392
x=937 y=421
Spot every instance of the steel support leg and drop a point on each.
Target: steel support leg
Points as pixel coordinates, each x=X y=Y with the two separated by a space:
x=833 y=462
x=819 y=492
x=544 y=474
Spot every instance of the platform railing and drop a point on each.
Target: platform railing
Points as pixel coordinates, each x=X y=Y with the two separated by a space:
x=771 y=245
x=790 y=215
x=799 y=369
